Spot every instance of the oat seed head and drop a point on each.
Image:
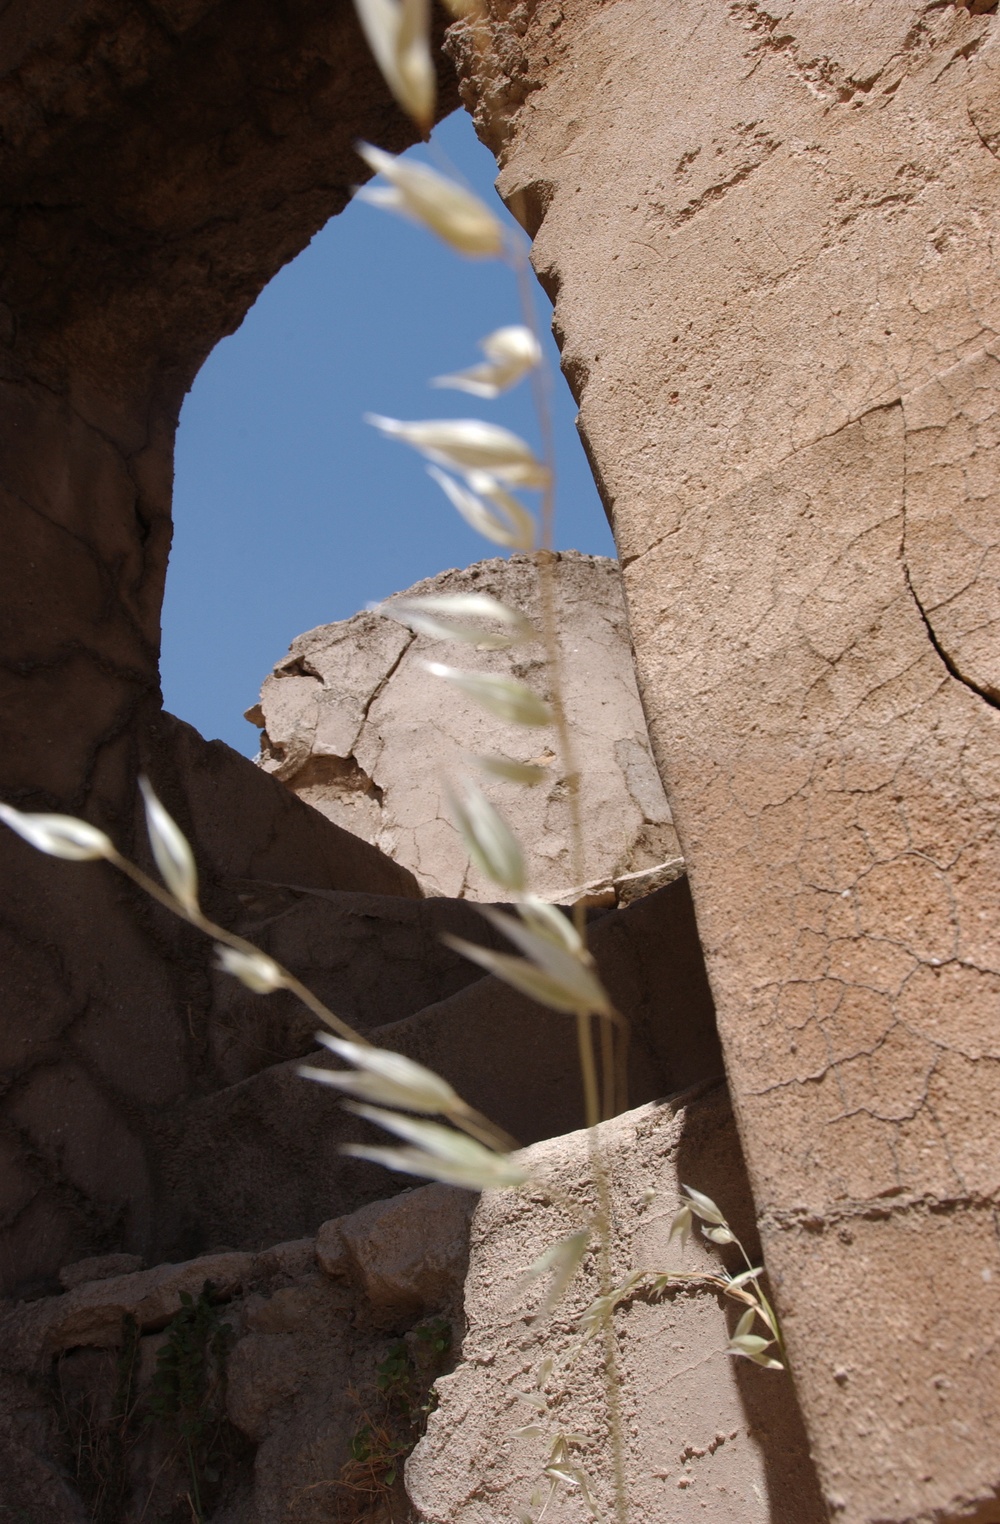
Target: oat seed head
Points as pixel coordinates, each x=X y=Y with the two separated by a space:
x=171 y=850
x=441 y=205
x=62 y=836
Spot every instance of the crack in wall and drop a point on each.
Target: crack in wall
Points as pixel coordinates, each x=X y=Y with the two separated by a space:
x=988 y=695
x=986 y=692
x=381 y=685
x=715 y=192
x=881 y=1209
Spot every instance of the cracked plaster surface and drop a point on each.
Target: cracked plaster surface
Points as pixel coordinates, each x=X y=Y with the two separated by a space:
x=356 y=726
x=769 y=231
x=700 y=1432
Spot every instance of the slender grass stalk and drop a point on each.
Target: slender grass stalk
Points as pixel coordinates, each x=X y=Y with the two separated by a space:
x=613 y=1075
x=230 y=938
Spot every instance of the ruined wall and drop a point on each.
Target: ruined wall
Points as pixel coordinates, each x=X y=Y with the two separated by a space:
x=769 y=229
x=157 y=165
x=768 y=226
x=705 y=1437
x=354 y=724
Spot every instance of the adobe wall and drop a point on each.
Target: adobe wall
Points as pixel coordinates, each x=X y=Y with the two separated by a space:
x=769 y=229
x=352 y=722
x=158 y=164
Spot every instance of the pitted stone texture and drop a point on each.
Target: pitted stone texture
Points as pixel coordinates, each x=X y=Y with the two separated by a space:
x=355 y=725
x=410 y=1253
x=706 y=1437
x=952 y=513
x=776 y=293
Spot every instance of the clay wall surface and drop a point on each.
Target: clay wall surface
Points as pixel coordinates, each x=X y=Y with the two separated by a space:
x=158 y=164
x=706 y=1437
x=355 y=725
x=769 y=229
x=306 y=1326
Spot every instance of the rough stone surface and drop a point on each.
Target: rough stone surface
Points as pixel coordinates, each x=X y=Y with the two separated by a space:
x=706 y=1437
x=158 y=163
x=355 y=725
x=311 y=1323
x=769 y=229
x=100 y=1267
x=300 y=1374
x=409 y=1253
x=769 y=226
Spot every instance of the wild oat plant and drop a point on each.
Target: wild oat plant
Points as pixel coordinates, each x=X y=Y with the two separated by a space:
x=480 y=467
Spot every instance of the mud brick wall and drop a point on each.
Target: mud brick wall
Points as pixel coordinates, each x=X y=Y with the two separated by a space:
x=770 y=231
x=158 y=163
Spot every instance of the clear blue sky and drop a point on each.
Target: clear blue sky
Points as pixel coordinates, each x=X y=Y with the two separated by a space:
x=289 y=511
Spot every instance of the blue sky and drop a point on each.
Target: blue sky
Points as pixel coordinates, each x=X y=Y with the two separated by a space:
x=289 y=511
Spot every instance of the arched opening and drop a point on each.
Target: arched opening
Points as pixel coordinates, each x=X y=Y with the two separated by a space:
x=289 y=511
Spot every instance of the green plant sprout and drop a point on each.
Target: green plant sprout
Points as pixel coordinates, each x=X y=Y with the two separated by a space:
x=100 y=1445
x=187 y=1393
x=391 y=1426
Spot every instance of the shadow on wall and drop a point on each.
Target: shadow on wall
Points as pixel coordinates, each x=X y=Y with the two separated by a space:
x=710 y=1159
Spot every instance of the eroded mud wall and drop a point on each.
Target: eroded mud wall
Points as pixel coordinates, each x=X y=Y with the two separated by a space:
x=158 y=164
x=769 y=230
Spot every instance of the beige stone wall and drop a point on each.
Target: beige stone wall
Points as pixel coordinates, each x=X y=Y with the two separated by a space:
x=769 y=227
x=355 y=725
x=770 y=231
x=706 y=1437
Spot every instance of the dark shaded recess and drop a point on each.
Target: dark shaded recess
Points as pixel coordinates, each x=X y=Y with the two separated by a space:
x=160 y=162
x=710 y=1159
x=259 y=1161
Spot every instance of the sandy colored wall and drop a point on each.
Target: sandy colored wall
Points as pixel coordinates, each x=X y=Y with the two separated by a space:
x=769 y=230
x=354 y=723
